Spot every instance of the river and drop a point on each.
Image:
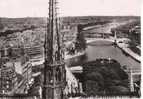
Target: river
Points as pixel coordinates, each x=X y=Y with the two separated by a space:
x=104 y=49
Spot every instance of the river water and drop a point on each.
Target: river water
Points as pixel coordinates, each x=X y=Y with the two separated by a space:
x=104 y=49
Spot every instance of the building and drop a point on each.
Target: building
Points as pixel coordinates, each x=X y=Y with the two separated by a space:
x=27 y=71
x=26 y=68
x=120 y=32
x=20 y=96
x=8 y=78
x=135 y=34
x=69 y=31
x=3 y=52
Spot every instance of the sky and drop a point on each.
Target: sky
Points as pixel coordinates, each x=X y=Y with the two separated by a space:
x=39 y=8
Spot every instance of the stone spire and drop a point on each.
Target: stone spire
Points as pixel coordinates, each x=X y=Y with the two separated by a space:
x=54 y=67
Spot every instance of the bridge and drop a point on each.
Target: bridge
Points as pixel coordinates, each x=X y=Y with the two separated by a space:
x=90 y=40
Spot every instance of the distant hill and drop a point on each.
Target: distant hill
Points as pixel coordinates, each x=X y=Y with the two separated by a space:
x=85 y=19
x=78 y=19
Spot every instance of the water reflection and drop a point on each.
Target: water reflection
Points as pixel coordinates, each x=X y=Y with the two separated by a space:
x=102 y=49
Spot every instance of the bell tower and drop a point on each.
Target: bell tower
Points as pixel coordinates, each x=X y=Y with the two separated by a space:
x=54 y=66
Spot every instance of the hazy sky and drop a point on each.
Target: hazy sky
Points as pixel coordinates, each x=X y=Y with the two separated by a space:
x=39 y=8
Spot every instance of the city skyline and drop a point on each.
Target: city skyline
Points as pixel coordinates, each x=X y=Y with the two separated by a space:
x=39 y=8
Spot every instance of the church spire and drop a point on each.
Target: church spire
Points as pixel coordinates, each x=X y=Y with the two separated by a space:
x=54 y=67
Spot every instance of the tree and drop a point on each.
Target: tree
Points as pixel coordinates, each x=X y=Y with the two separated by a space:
x=108 y=78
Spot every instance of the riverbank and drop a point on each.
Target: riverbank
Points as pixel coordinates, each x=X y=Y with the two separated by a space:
x=98 y=39
x=124 y=47
x=67 y=56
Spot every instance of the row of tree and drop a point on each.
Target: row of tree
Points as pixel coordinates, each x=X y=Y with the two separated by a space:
x=79 y=44
x=104 y=77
